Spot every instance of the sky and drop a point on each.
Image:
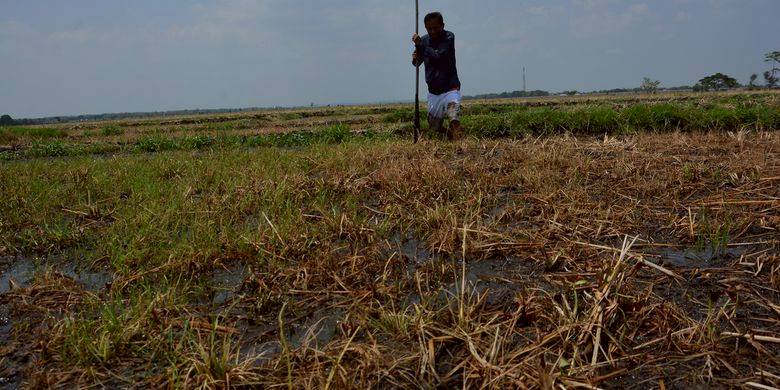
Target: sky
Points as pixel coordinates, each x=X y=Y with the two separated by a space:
x=96 y=56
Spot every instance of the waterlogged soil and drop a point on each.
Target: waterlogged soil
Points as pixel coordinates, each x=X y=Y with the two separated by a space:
x=711 y=256
x=409 y=248
x=708 y=282
x=314 y=331
x=14 y=272
x=498 y=278
x=229 y=297
x=19 y=272
x=226 y=281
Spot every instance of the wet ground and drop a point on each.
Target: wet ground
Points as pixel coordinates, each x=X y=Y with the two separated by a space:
x=19 y=271
x=499 y=278
x=710 y=256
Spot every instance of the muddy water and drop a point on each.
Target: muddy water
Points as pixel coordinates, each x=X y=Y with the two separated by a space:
x=313 y=332
x=499 y=275
x=5 y=323
x=709 y=257
x=500 y=278
x=318 y=329
x=227 y=281
x=408 y=246
x=19 y=272
x=22 y=270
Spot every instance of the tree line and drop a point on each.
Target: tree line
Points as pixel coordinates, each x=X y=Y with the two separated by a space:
x=720 y=81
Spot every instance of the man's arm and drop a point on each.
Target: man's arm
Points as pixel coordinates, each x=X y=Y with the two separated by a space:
x=416 y=61
x=416 y=58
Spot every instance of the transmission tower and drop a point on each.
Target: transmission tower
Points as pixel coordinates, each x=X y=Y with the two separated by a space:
x=524 y=79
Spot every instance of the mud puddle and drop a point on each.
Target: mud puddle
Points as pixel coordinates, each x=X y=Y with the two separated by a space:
x=500 y=278
x=226 y=282
x=409 y=247
x=502 y=208
x=708 y=257
x=5 y=324
x=22 y=270
x=317 y=330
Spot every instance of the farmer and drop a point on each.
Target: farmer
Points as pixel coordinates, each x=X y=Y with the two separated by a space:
x=437 y=51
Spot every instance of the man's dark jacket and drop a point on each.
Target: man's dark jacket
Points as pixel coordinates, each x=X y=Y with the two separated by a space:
x=441 y=73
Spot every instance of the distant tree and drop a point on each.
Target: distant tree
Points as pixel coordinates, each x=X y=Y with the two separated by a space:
x=717 y=81
x=770 y=79
x=649 y=85
x=770 y=76
x=6 y=120
x=680 y=88
x=570 y=93
x=513 y=94
x=752 y=84
x=774 y=59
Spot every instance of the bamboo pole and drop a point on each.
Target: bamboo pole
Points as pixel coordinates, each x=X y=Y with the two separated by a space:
x=417 y=76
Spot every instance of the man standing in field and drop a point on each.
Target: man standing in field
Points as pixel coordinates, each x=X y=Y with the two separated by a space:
x=437 y=51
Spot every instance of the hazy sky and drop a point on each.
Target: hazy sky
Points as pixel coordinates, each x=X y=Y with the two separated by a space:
x=94 y=56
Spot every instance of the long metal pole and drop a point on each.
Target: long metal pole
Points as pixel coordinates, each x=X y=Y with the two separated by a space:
x=417 y=79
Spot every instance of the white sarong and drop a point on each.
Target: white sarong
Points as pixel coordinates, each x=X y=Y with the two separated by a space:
x=438 y=104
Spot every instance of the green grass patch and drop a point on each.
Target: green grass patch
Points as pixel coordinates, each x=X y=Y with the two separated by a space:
x=288 y=116
x=60 y=149
x=607 y=120
x=486 y=109
x=487 y=125
x=13 y=134
x=158 y=143
x=109 y=130
x=400 y=115
x=539 y=121
x=485 y=121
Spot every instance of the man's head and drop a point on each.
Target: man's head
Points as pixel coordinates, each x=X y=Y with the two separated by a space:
x=434 y=23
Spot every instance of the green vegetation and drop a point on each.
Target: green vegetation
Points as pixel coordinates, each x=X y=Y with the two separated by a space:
x=636 y=118
x=770 y=76
x=716 y=82
x=402 y=115
x=649 y=85
x=507 y=95
x=112 y=130
x=159 y=143
x=11 y=133
x=733 y=113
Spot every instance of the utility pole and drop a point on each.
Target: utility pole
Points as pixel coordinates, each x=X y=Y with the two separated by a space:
x=524 y=79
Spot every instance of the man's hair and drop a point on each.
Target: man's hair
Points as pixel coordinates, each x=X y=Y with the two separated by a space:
x=434 y=16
